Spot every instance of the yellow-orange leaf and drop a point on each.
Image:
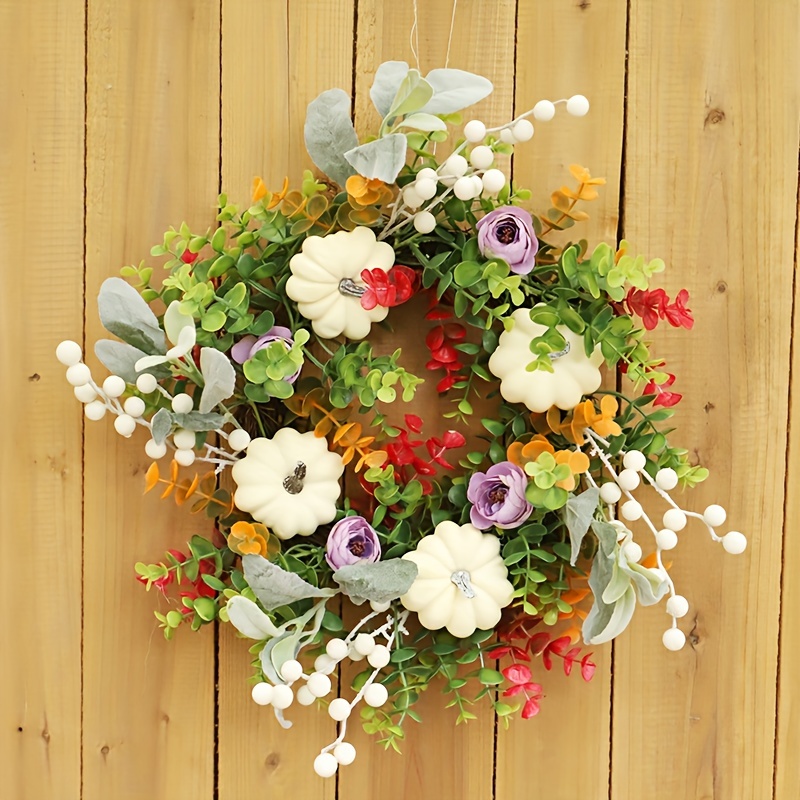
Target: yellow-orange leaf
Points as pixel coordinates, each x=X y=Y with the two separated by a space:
x=259 y=189
x=151 y=478
x=323 y=427
x=345 y=429
x=560 y=201
x=348 y=455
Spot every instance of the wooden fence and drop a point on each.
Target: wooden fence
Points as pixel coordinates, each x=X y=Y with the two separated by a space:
x=121 y=118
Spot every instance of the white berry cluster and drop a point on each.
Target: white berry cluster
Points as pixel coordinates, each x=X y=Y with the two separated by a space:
x=357 y=646
x=623 y=484
x=470 y=176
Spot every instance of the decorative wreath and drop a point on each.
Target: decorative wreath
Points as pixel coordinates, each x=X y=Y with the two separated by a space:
x=457 y=548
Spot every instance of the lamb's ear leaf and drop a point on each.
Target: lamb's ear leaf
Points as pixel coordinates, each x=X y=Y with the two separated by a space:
x=454 y=89
x=382 y=159
x=124 y=313
x=249 y=619
x=120 y=359
x=412 y=94
x=329 y=134
x=388 y=78
x=380 y=582
x=274 y=586
x=219 y=376
x=579 y=513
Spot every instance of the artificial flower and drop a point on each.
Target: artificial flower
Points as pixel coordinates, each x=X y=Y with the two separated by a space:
x=507 y=233
x=248 y=346
x=367 y=191
x=498 y=497
x=248 y=538
x=351 y=540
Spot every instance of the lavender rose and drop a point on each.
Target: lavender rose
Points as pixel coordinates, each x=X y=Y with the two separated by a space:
x=248 y=346
x=498 y=497
x=351 y=540
x=507 y=233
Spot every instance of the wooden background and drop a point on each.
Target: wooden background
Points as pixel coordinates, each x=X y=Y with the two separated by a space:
x=121 y=118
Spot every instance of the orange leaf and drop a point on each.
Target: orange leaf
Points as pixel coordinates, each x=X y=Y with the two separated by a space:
x=151 y=478
x=323 y=427
x=174 y=467
x=560 y=201
x=259 y=189
x=375 y=459
x=348 y=455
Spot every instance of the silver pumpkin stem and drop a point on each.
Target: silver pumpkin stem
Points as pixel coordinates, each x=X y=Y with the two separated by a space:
x=560 y=353
x=349 y=288
x=294 y=483
x=461 y=579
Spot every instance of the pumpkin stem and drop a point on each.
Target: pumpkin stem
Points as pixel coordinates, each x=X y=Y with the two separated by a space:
x=348 y=287
x=560 y=353
x=294 y=483
x=461 y=579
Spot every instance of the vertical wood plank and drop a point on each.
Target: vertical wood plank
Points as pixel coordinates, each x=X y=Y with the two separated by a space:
x=573 y=37
x=711 y=184
x=438 y=758
x=41 y=157
x=153 y=144
x=307 y=48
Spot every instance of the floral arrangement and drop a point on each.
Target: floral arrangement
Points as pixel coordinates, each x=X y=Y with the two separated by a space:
x=469 y=554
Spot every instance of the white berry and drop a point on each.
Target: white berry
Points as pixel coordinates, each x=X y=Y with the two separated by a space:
x=146 y=383
x=734 y=543
x=185 y=457
x=666 y=539
x=425 y=188
x=344 y=753
x=578 y=105
x=182 y=403
x=238 y=440
x=324 y=664
x=113 y=386
x=379 y=657
x=134 y=406
x=635 y=460
x=379 y=607
x=493 y=181
x=325 y=765
x=673 y=639
x=674 y=519
x=523 y=130
x=336 y=649
x=95 y=410
x=678 y=606
x=354 y=655
x=507 y=136
x=424 y=222
x=79 y=374
x=628 y=480
x=291 y=670
x=474 y=131
x=426 y=173
x=632 y=552
x=544 y=111
x=481 y=157
x=339 y=709
x=304 y=696
x=376 y=695
x=318 y=684
x=184 y=440
x=364 y=644
x=464 y=189
x=155 y=450
x=456 y=165
x=69 y=353
x=610 y=493
x=666 y=479
x=262 y=693
x=85 y=393
x=632 y=510
x=125 y=425
x=714 y=516
x=411 y=197
x=282 y=696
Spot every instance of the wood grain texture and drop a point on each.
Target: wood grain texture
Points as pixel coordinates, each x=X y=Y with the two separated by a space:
x=153 y=135
x=307 y=48
x=41 y=157
x=548 y=35
x=711 y=185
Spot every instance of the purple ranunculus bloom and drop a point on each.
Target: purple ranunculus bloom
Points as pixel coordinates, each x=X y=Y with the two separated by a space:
x=248 y=346
x=498 y=497
x=351 y=540
x=507 y=233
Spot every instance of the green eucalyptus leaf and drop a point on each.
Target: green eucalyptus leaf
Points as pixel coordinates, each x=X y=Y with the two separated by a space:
x=379 y=582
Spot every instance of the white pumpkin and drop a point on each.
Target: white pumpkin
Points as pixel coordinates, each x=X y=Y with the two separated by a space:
x=290 y=482
x=462 y=583
x=326 y=281
x=574 y=373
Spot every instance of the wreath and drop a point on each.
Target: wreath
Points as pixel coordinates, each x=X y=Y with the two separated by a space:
x=504 y=538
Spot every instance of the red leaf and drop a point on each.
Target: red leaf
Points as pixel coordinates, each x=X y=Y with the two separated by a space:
x=568 y=662
x=587 y=668
x=413 y=422
x=455 y=331
x=438 y=313
x=538 y=642
x=531 y=708
x=451 y=439
x=499 y=652
x=514 y=690
x=519 y=653
x=435 y=338
x=446 y=383
x=189 y=258
x=517 y=673
x=559 y=646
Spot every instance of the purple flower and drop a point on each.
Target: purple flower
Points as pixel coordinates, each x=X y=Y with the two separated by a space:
x=351 y=540
x=248 y=346
x=498 y=497
x=507 y=233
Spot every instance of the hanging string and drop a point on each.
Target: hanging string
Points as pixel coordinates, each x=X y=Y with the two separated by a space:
x=450 y=37
x=413 y=38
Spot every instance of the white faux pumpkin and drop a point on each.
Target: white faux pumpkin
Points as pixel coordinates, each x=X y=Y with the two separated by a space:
x=326 y=281
x=574 y=373
x=462 y=581
x=290 y=482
